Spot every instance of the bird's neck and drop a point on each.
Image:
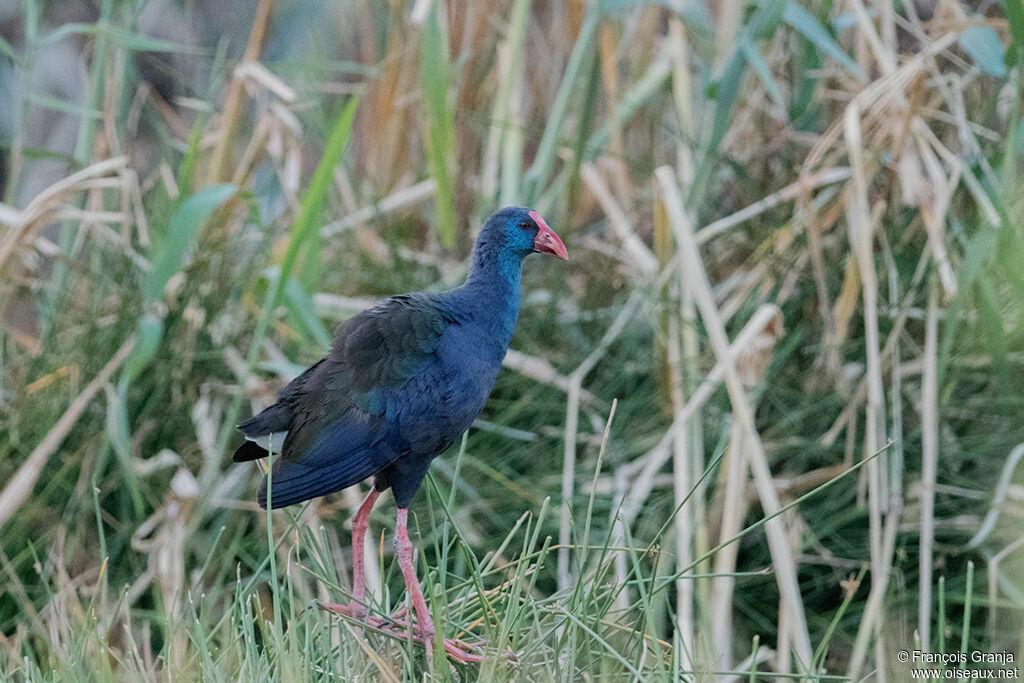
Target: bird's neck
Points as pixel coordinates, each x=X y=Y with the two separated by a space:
x=491 y=292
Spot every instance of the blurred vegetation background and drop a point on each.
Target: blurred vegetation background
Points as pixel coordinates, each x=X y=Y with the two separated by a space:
x=194 y=194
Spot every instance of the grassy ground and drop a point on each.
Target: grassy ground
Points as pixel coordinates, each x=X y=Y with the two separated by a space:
x=193 y=198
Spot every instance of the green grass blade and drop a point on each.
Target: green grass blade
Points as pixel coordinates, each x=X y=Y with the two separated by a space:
x=6 y=49
x=300 y=306
x=151 y=330
x=1015 y=17
x=756 y=61
x=965 y=632
x=306 y=223
x=119 y=435
x=807 y=26
x=305 y=230
x=120 y=36
x=182 y=230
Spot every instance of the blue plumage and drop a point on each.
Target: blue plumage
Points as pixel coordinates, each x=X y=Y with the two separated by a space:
x=404 y=379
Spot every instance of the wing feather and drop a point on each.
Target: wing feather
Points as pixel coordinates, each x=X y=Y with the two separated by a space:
x=342 y=418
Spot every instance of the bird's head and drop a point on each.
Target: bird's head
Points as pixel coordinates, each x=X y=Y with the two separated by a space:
x=520 y=231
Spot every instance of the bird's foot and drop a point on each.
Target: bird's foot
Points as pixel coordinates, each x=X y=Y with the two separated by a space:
x=353 y=610
x=358 y=612
x=398 y=626
x=457 y=649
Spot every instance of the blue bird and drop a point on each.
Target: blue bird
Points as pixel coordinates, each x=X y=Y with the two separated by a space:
x=403 y=380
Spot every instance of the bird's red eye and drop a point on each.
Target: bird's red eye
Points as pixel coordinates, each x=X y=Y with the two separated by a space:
x=526 y=225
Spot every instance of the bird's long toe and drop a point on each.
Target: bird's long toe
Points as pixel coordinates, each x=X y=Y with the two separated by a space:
x=352 y=610
x=397 y=625
x=471 y=652
x=456 y=650
x=399 y=614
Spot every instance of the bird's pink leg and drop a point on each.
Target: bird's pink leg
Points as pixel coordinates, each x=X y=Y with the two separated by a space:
x=425 y=631
x=359 y=528
x=355 y=608
x=412 y=584
x=397 y=624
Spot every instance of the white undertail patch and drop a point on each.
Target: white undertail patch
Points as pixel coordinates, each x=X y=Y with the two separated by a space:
x=269 y=442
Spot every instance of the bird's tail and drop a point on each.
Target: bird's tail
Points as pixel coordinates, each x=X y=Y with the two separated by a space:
x=249 y=450
x=267 y=427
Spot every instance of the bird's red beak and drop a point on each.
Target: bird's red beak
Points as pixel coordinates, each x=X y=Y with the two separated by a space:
x=547 y=242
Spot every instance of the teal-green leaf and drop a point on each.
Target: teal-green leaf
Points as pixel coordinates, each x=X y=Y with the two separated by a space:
x=184 y=227
x=725 y=93
x=976 y=253
x=6 y=49
x=990 y=322
x=756 y=61
x=121 y=36
x=766 y=19
x=151 y=330
x=300 y=306
x=119 y=435
x=305 y=236
x=807 y=26
x=983 y=45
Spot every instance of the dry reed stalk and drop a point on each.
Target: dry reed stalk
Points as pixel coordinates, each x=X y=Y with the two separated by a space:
x=678 y=47
x=933 y=205
x=23 y=224
x=929 y=466
x=730 y=13
x=734 y=509
x=254 y=152
x=861 y=230
x=138 y=212
x=682 y=484
x=253 y=74
x=691 y=378
x=859 y=395
x=681 y=357
x=220 y=160
x=752 y=364
x=877 y=101
x=163 y=538
x=691 y=467
x=884 y=55
x=998 y=497
x=508 y=73
x=636 y=253
x=539 y=370
x=385 y=111
x=791 y=192
x=645 y=468
x=572 y=426
x=775 y=531
x=396 y=201
x=994 y=580
x=20 y=486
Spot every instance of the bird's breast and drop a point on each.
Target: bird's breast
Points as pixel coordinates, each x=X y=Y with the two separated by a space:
x=472 y=359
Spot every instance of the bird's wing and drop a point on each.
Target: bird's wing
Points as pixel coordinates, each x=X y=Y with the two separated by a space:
x=345 y=413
